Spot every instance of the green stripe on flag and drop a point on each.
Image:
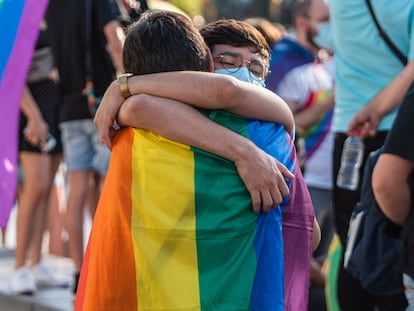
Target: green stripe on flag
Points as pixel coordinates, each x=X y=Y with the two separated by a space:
x=225 y=229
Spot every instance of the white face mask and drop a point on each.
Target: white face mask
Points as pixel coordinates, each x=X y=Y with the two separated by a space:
x=324 y=37
x=243 y=74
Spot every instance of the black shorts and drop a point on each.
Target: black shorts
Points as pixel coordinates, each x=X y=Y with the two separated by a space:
x=46 y=95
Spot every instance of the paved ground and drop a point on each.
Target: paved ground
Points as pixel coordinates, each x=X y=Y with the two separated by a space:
x=56 y=299
x=59 y=299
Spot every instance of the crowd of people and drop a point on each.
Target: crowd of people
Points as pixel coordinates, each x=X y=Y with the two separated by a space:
x=207 y=156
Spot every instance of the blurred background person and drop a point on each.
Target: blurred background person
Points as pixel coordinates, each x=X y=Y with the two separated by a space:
x=272 y=32
x=131 y=10
x=370 y=82
x=90 y=33
x=40 y=153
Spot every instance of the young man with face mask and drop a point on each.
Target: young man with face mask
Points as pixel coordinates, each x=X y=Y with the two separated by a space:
x=301 y=73
x=221 y=283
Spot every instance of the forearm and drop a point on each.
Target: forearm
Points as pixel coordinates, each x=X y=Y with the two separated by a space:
x=36 y=127
x=115 y=38
x=182 y=123
x=391 y=188
x=396 y=205
x=29 y=107
x=262 y=175
x=213 y=91
x=392 y=95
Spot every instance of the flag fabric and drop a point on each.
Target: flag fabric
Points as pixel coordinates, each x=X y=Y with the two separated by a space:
x=331 y=268
x=19 y=27
x=175 y=230
x=317 y=133
x=298 y=219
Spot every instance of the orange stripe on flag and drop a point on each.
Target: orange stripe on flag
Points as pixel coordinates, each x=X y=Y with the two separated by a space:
x=112 y=241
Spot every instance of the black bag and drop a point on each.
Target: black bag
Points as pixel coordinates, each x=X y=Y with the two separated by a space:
x=374 y=249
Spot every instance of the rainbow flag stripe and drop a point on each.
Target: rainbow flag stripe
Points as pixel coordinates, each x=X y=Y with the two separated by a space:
x=315 y=135
x=19 y=27
x=175 y=230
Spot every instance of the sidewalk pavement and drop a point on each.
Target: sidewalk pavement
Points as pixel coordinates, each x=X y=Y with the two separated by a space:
x=45 y=299
x=50 y=299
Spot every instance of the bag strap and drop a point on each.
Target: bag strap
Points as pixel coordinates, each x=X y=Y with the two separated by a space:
x=385 y=37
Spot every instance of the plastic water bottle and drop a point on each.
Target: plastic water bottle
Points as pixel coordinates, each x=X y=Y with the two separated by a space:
x=351 y=160
x=50 y=143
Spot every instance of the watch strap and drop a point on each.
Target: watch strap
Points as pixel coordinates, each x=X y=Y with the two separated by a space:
x=123 y=84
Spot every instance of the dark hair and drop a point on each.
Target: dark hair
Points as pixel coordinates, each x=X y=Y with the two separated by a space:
x=270 y=31
x=235 y=33
x=164 y=41
x=301 y=8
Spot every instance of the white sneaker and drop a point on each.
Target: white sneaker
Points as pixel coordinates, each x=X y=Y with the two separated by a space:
x=44 y=277
x=22 y=282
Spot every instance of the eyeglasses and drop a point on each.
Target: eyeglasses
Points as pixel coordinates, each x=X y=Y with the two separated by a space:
x=233 y=62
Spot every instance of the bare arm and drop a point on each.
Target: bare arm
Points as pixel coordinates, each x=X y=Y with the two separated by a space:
x=115 y=37
x=390 y=186
x=36 y=128
x=366 y=120
x=261 y=173
x=215 y=91
x=200 y=89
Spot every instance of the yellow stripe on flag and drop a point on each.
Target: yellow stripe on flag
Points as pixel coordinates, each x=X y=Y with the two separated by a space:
x=163 y=219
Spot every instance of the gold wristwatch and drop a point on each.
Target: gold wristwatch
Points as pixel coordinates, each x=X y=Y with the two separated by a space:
x=123 y=85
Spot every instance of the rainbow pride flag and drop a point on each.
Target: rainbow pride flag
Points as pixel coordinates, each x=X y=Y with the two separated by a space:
x=175 y=230
x=316 y=134
x=19 y=27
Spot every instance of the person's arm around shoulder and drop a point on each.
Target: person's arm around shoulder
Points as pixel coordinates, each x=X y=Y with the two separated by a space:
x=200 y=89
x=216 y=91
x=263 y=176
x=115 y=38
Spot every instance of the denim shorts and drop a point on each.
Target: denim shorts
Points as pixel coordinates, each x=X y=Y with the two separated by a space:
x=82 y=148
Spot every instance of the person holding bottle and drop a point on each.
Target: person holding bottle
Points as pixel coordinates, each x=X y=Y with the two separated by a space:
x=85 y=157
x=370 y=82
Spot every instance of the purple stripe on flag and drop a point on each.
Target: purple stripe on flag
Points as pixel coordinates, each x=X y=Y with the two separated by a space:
x=11 y=87
x=297 y=237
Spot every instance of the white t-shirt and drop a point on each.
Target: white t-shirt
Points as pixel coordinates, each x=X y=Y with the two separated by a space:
x=309 y=85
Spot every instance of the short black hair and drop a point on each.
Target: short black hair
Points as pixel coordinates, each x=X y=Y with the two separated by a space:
x=161 y=41
x=235 y=33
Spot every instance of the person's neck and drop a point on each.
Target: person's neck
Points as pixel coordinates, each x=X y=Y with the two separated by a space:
x=304 y=42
